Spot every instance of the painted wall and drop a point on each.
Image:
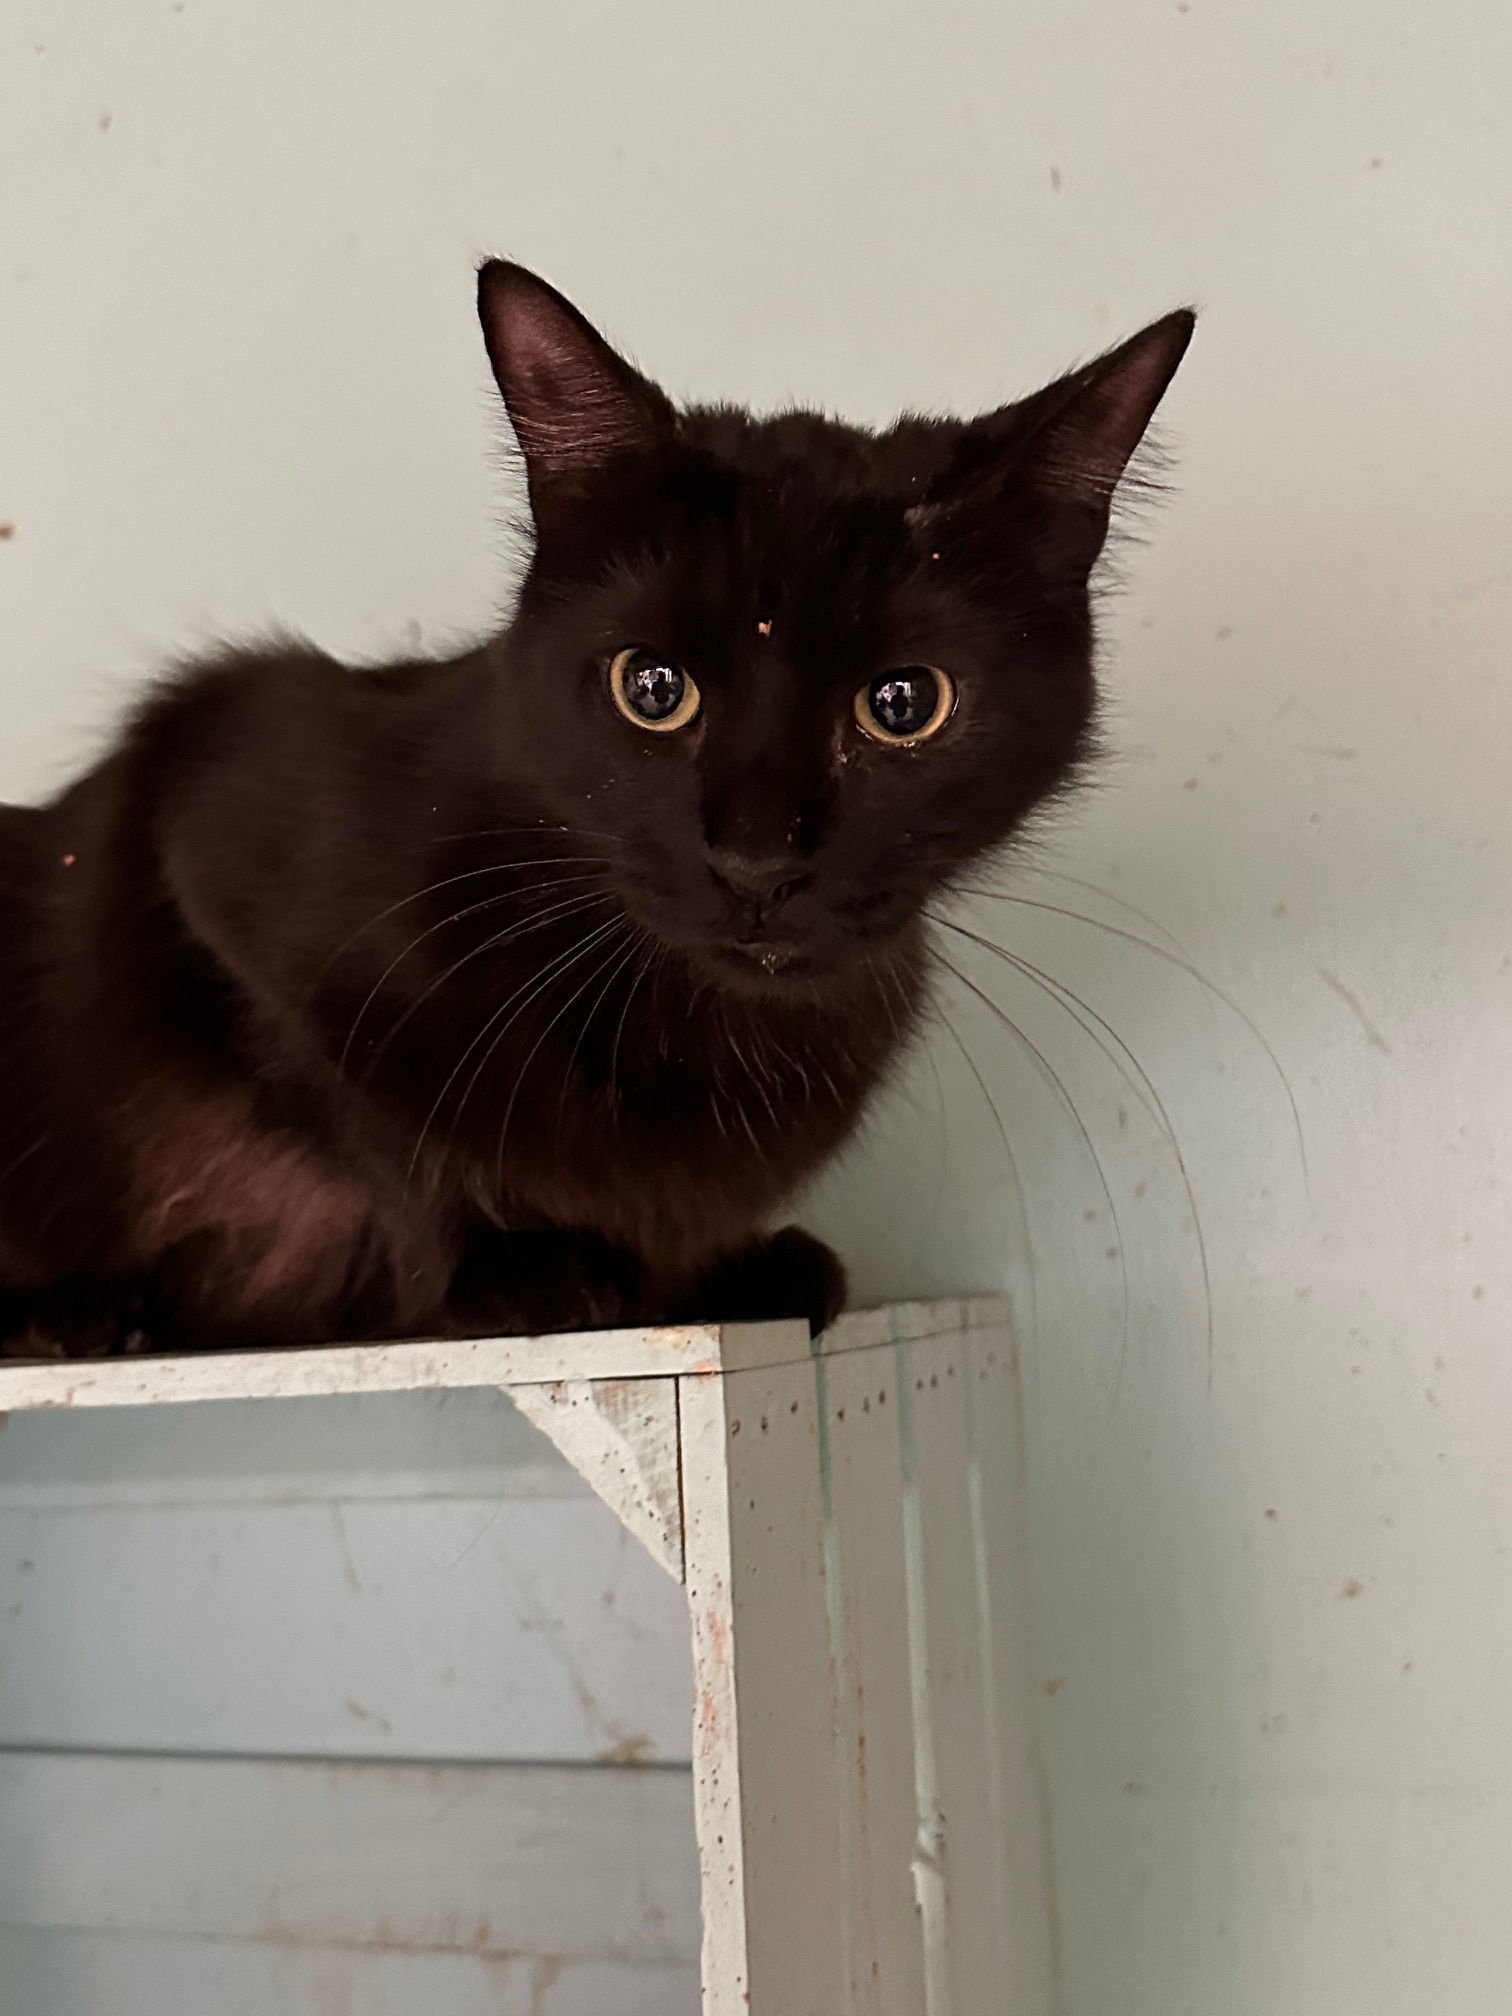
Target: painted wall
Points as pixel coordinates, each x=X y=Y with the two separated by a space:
x=239 y=384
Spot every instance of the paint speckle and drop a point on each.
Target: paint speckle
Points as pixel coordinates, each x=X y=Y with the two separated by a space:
x=1278 y=910
x=1055 y=178
x=104 y=122
x=1478 y=1292
x=1378 y=160
x=1056 y=1685
x=8 y=529
x=360 y=1713
x=1191 y=784
x=1224 y=630
x=1352 y=1589
x=1271 y=1513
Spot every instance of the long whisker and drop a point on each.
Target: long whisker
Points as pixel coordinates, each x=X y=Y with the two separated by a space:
x=576 y=995
x=1141 y=1083
x=1182 y=965
x=534 y=982
x=1053 y=1078
x=1020 y=1194
x=563 y=963
x=619 y=1031
x=447 y=882
x=1095 y=889
x=536 y=921
x=1115 y=1049
x=454 y=917
x=587 y=1023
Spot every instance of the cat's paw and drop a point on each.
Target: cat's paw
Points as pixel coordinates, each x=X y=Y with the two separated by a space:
x=74 y=1319
x=788 y=1274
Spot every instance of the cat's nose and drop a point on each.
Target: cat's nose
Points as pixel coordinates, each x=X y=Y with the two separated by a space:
x=763 y=879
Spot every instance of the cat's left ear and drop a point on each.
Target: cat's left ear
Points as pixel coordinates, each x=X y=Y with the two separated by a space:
x=575 y=404
x=1059 y=455
x=1090 y=426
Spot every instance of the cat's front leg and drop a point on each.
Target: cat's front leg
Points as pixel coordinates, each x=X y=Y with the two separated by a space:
x=788 y=1273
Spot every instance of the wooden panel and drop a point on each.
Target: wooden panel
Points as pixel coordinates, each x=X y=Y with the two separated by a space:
x=621 y=1436
x=495 y=1861
x=526 y=1628
x=878 y=1806
x=960 y=1873
x=764 y=1744
x=464 y=1444
x=913 y=1322
x=107 y=1974
x=999 y=1534
x=361 y=1368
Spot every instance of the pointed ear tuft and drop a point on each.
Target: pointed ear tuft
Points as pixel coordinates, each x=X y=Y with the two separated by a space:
x=1082 y=447
x=575 y=404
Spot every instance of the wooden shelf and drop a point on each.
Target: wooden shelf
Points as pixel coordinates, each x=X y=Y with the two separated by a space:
x=669 y=1351
x=847 y=1519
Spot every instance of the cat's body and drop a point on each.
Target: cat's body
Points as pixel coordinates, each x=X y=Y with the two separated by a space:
x=470 y=996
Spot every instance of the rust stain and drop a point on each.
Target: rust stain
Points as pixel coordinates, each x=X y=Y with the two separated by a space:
x=544 y=1976
x=1055 y=1686
x=8 y=529
x=384 y=1939
x=629 y=1750
x=1352 y=1588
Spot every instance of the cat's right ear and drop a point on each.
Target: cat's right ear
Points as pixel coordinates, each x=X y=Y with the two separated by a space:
x=575 y=404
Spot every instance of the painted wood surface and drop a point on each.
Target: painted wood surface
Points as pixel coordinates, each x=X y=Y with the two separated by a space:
x=82 y=1973
x=326 y=1579
x=665 y=1352
x=531 y=1881
x=871 y=1831
x=481 y=1609
x=620 y=1435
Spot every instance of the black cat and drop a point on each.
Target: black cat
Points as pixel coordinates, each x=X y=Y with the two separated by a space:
x=519 y=991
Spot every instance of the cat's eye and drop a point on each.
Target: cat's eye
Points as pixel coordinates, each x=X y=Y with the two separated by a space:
x=906 y=706
x=651 y=691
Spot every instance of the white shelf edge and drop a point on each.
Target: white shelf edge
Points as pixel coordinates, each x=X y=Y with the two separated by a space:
x=665 y=1352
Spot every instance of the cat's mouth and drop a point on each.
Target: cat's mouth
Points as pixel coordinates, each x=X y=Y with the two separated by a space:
x=771 y=957
x=761 y=965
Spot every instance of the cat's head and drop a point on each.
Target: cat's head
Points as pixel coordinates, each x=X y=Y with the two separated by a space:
x=791 y=677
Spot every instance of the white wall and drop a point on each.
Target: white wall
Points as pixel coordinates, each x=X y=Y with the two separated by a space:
x=240 y=382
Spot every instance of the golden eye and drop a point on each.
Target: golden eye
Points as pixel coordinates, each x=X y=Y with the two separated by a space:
x=906 y=706
x=652 y=692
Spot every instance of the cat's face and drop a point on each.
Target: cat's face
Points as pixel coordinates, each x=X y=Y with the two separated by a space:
x=789 y=678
